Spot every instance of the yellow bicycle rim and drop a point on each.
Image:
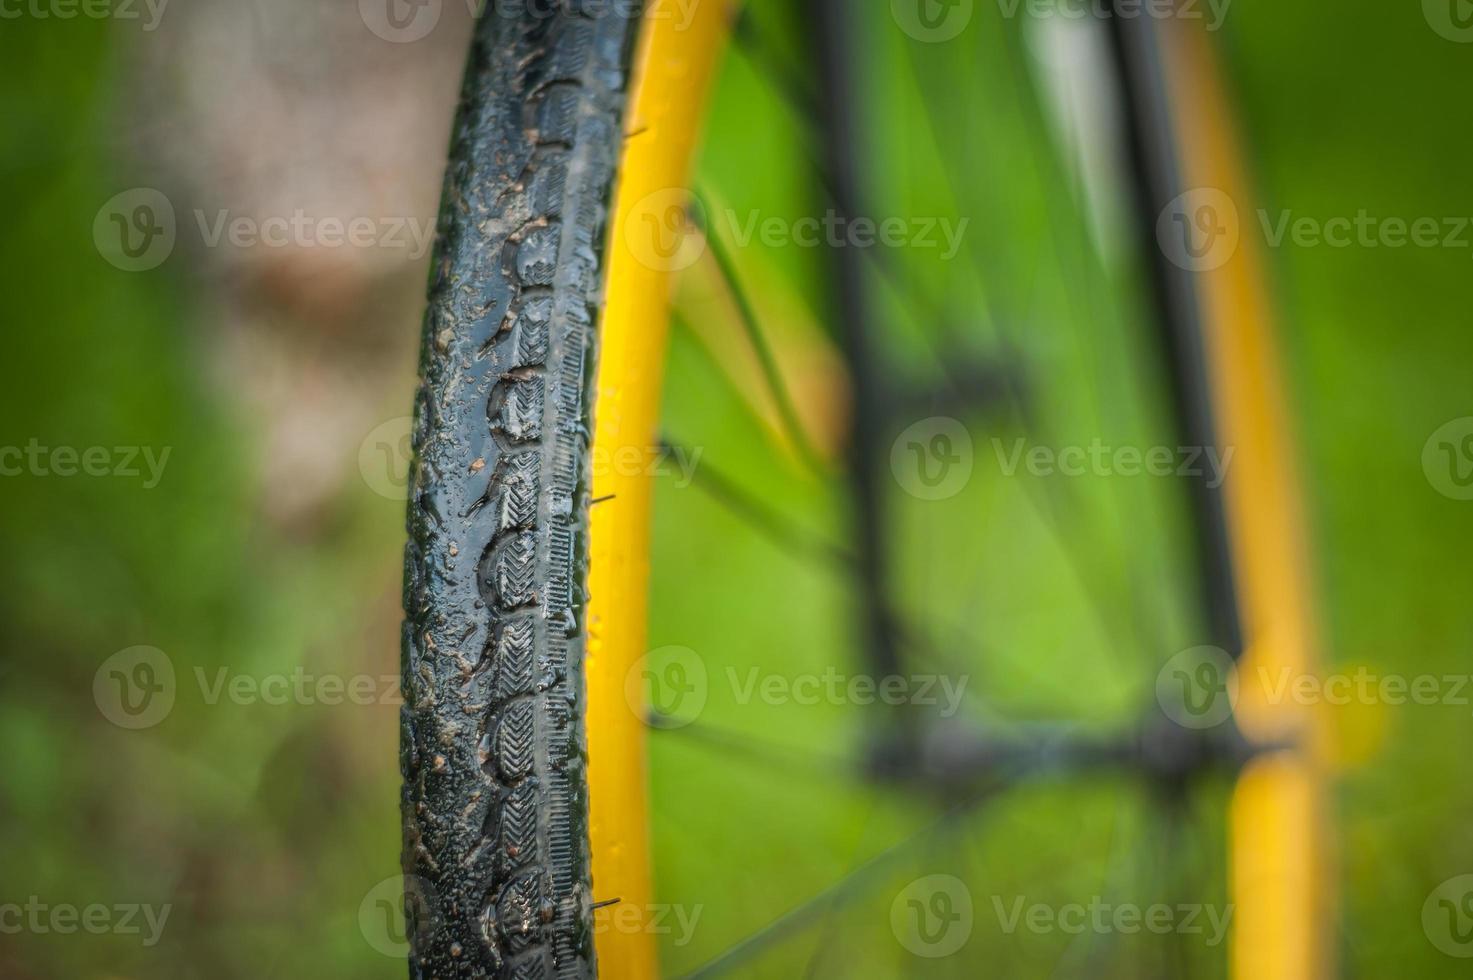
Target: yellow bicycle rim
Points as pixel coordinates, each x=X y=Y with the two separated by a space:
x=679 y=47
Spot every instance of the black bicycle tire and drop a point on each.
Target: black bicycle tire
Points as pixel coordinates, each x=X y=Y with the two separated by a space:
x=493 y=747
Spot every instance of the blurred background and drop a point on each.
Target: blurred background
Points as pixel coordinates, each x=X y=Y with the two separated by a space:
x=218 y=228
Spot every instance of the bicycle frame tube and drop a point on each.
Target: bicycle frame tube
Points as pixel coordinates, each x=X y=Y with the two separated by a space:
x=678 y=50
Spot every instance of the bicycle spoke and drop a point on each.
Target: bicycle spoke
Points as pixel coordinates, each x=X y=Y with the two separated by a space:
x=801 y=760
x=846 y=889
x=790 y=536
x=1024 y=92
x=825 y=943
x=806 y=111
x=929 y=314
x=1062 y=501
x=1124 y=608
x=790 y=85
x=1133 y=874
x=793 y=425
x=806 y=546
x=1126 y=630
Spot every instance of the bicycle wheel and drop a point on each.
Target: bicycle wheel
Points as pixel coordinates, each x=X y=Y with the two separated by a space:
x=517 y=824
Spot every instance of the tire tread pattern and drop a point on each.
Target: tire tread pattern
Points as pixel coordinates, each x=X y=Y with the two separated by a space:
x=493 y=750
